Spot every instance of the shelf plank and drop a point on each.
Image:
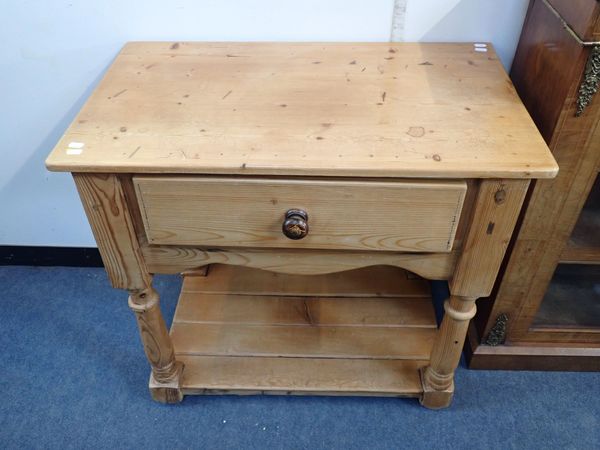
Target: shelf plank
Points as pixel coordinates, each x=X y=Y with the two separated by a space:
x=391 y=282
x=300 y=376
x=302 y=341
x=307 y=311
x=248 y=331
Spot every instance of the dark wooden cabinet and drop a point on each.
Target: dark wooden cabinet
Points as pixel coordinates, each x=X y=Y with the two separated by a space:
x=544 y=312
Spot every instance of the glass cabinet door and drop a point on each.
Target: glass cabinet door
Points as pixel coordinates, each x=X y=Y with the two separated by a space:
x=572 y=300
x=584 y=244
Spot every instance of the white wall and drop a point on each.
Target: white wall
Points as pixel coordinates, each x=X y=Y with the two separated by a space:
x=53 y=53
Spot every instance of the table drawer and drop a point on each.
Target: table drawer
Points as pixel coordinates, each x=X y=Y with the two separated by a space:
x=414 y=216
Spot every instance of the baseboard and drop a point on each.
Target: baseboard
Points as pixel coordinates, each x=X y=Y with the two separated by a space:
x=17 y=255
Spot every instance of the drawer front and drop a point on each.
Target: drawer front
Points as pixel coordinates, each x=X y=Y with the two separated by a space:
x=413 y=216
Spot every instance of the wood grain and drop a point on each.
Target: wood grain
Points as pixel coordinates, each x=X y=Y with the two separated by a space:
x=542 y=86
x=418 y=216
x=243 y=343
x=495 y=214
x=547 y=72
x=438 y=376
x=578 y=254
x=108 y=214
x=415 y=312
x=391 y=282
x=532 y=356
x=583 y=246
x=300 y=376
x=368 y=109
x=154 y=335
x=552 y=212
x=170 y=259
x=581 y=15
x=302 y=341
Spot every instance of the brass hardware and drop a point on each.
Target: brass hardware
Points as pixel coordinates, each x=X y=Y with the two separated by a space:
x=591 y=78
x=497 y=334
x=295 y=225
x=589 y=85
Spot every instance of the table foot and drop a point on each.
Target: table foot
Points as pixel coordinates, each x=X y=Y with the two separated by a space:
x=435 y=398
x=167 y=391
x=166 y=370
x=437 y=378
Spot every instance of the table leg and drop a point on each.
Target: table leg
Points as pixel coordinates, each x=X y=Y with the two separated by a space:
x=438 y=377
x=166 y=371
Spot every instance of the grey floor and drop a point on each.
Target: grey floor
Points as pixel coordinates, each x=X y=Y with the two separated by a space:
x=73 y=375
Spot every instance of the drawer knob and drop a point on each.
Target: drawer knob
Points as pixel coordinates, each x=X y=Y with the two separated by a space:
x=295 y=225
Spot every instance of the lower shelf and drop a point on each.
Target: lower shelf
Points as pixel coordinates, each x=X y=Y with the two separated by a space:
x=247 y=331
x=300 y=376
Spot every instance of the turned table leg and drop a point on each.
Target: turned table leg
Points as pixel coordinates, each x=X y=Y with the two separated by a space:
x=166 y=371
x=104 y=197
x=494 y=214
x=438 y=377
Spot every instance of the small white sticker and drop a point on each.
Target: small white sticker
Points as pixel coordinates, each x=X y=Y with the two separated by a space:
x=478 y=49
x=480 y=45
x=74 y=151
x=76 y=145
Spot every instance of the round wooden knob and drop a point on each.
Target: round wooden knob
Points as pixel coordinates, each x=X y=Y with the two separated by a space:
x=295 y=225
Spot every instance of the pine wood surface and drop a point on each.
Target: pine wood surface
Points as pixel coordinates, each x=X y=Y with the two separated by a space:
x=109 y=216
x=295 y=341
x=391 y=282
x=306 y=339
x=170 y=259
x=350 y=109
x=377 y=141
x=300 y=376
x=495 y=214
x=419 y=216
x=438 y=376
x=303 y=310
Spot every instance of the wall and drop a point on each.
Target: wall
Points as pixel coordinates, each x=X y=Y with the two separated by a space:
x=53 y=53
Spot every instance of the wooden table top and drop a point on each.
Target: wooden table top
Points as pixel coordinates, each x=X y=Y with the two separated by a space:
x=319 y=109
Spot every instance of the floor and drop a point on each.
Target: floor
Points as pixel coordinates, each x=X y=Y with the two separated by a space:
x=73 y=375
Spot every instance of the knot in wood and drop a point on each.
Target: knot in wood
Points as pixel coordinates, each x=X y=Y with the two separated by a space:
x=500 y=196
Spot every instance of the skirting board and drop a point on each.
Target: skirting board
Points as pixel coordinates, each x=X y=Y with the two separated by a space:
x=20 y=255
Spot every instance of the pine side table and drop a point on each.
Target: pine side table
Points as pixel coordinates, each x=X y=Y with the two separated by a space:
x=337 y=169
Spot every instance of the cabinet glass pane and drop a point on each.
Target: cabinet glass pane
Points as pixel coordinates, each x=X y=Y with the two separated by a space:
x=587 y=230
x=572 y=299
